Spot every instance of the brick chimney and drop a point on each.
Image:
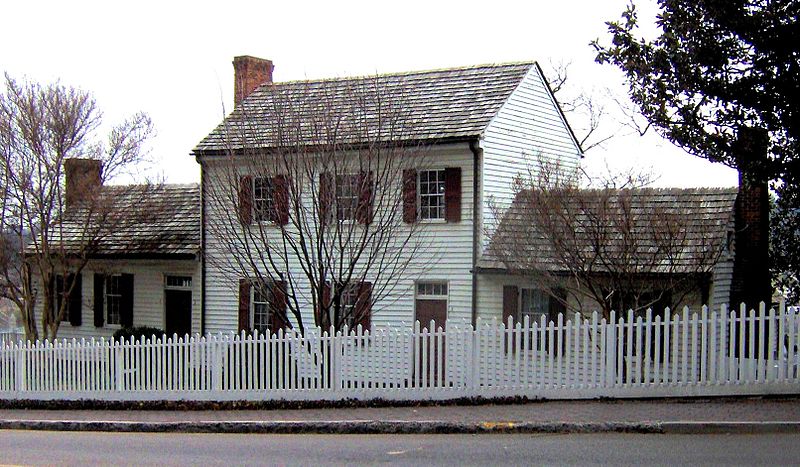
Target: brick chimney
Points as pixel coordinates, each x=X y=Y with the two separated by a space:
x=751 y=282
x=83 y=178
x=248 y=74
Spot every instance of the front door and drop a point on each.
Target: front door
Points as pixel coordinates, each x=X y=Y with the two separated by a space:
x=431 y=308
x=178 y=306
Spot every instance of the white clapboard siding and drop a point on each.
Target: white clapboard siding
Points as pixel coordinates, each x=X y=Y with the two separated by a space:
x=528 y=126
x=148 y=294
x=687 y=354
x=444 y=254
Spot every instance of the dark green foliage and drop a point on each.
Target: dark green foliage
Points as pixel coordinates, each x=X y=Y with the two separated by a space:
x=718 y=67
x=137 y=332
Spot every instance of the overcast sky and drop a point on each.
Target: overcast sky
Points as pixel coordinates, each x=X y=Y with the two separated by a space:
x=173 y=59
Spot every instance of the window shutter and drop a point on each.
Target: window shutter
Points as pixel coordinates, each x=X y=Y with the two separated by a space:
x=364 y=209
x=246 y=200
x=244 y=305
x=363 y=308
x=326 y=198
x=76 y=301
x=126 y=302
x=99 y=288
x=278 y=317
x=510 y=302
x=326 y=300
x=556 y=303
x=452 y=194
x=56 y=289
x=280 y=213
x=554 y=307
x=409 y=196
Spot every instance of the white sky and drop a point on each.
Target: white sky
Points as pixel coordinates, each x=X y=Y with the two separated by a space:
x=173 y=59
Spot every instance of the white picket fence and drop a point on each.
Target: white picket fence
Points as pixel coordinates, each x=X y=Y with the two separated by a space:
x=685 y=354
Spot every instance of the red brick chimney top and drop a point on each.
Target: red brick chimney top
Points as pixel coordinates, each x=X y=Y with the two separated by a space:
x=249 y=73
x=82 y=179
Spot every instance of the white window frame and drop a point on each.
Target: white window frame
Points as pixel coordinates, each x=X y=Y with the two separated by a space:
x=260 y=310
x=425 y=212
x=521 y=312
x=263 y=198
x=347 y=203
x=431 y=290
x=108 y=295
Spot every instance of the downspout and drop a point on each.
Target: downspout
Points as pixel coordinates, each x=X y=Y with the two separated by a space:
x=202 y=250
x=477 y=224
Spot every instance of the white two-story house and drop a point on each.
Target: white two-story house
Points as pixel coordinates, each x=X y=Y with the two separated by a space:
x=404 y=165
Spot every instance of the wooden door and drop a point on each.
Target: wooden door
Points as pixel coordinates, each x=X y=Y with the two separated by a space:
x=435 y=310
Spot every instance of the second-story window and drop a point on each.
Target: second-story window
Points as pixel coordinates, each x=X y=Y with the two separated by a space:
x=431 y=194
x=263 y=201
x=347 y=196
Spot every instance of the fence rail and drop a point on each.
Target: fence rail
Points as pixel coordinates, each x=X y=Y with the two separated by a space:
x=684 y=354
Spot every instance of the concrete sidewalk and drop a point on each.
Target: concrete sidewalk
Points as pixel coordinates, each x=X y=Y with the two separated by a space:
x=654 y=416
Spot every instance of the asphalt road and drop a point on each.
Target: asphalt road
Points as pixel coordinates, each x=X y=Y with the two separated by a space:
x=89 y=448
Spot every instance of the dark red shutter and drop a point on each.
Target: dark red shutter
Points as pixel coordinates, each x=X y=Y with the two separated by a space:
x=409 y=196
x=363 y=308
x=99 y=309
x=75 y=301
x=280 y=186
x=246 y=200
x=126 y=300
x=452 y=194
x=555 y=306
x=278 y=317
x=244 y=305
x=510 y=302
x=364 y=209
x=326 y=300
x=326 y=198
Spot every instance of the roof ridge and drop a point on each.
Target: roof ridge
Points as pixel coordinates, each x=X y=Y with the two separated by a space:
x=529 y=63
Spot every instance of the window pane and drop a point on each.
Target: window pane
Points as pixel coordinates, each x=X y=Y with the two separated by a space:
x=262 y=198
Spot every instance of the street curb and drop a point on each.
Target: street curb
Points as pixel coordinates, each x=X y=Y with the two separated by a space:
x=402 y=427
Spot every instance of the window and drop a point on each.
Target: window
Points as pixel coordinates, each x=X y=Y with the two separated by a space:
x=431 y=194
x=349 y=299
x=347 y=196
x=178 y=282
x=534 y=304
x=113 y=299
x=263 y=200
x=432 y=289
x=261 y=309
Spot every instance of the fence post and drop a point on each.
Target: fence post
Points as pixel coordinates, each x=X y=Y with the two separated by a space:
x=119 y=377
x=21 y=373
x=216 y=363
x=611 y=351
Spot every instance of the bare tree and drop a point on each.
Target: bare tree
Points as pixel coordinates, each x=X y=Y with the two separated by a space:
x=50 y=231
x=619 y=246
x=312 y=208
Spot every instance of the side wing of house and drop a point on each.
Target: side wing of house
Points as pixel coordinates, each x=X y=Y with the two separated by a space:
x=529 y=127
x=164 y=294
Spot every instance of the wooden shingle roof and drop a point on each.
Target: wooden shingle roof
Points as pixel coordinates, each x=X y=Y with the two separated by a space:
x=703 y=217
x=148 y=221
x=436 y=105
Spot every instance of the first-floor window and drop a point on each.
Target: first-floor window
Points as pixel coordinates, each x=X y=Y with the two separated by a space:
x=348 y=309
x=534 y=303
x=113 y=299
x=261 y=309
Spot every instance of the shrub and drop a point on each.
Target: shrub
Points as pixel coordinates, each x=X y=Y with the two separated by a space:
x=137 y=332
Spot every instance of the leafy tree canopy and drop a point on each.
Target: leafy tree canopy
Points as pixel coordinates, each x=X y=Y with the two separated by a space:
x=715 y=68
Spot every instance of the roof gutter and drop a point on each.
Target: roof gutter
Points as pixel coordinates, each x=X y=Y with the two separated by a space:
x=477 y=154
